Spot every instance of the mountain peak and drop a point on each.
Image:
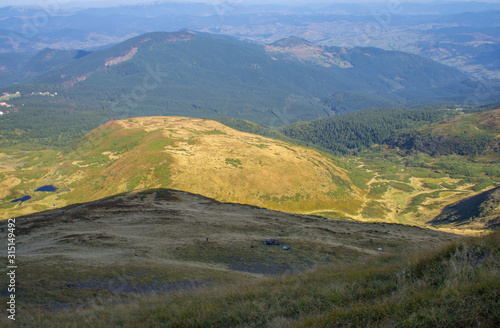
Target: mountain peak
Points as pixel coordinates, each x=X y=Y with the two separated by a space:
x=291 y=41
x=304 y=51
x=181 y=35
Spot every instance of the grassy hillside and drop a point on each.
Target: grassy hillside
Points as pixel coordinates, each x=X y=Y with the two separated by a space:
x=193 y=155
x=152 y=246
x=151 y=265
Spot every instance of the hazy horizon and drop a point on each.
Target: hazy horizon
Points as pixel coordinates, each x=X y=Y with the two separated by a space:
x=111 y=3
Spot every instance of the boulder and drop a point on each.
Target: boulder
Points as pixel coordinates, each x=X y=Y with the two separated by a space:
x=271 y=241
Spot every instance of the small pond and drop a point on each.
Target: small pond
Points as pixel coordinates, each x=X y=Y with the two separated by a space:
x=48 y=188
x=23 y=199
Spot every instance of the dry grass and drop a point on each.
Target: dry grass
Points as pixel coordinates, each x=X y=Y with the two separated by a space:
x=455 y=285
x=123 y=248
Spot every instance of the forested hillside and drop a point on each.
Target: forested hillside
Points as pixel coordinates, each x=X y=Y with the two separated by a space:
x=466 y=135
x=350 y=133
x=435 y=131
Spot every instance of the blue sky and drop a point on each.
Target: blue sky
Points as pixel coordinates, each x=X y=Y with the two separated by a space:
x=105 y=3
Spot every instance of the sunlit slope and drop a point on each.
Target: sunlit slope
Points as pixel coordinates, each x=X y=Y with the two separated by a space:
x=194 y=155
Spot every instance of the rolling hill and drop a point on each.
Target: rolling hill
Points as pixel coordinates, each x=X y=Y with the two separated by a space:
x=381 y=184
x=194 y=155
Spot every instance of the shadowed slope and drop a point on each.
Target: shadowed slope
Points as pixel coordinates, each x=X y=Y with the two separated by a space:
x=481 y=211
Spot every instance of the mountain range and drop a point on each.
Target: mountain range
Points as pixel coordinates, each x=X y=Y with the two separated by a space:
x=460 y=34
x=193 y=74
x=263 y=166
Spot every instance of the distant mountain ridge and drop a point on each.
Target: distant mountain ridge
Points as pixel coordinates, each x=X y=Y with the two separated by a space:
x=194 y=74
x=369 y=63
x=463 y=35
